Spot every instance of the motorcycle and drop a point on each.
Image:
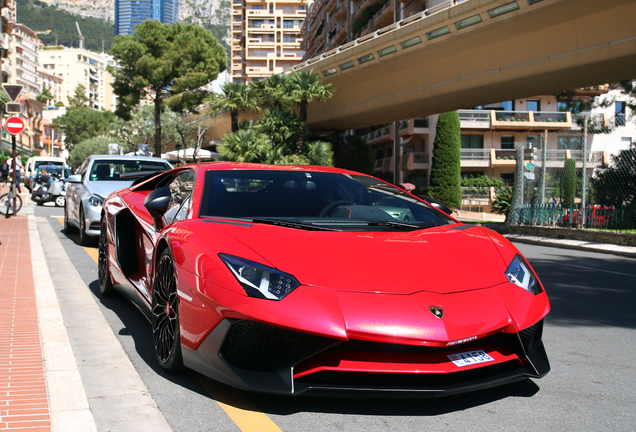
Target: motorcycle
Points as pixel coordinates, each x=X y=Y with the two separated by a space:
x=49 y=190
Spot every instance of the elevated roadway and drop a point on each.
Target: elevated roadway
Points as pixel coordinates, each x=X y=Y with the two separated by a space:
x=473 y=53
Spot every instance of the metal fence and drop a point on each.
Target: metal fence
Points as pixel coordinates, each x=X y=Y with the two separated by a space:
x=582 y=177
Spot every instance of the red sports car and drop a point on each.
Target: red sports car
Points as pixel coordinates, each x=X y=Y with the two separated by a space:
x=291 y=279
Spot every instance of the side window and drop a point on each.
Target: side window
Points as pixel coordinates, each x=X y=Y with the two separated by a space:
x=181 y=190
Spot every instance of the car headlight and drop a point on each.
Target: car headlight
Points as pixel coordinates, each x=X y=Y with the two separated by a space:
x=95 y=200
x=258 y=280
x=519 y=273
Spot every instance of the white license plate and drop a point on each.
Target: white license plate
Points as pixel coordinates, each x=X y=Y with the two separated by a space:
x=469 y=358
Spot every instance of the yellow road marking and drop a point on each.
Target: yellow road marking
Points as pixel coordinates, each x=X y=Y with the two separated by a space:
x=240 y=409
x=247 y=417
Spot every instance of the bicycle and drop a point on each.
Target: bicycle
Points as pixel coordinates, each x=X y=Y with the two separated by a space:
x=7 y=207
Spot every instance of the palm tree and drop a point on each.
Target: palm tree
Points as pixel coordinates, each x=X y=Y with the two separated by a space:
x=244 y=145
x=281 y=126
x=304 y=87
x=273 y=91
x=235 y=97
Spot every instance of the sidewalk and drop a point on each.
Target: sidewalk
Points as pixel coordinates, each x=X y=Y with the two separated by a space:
x=61 y=367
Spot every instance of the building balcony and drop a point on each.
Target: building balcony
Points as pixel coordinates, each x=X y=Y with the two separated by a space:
x=258 y=70
x=383 y=165
x=414 y=126
x=341 y=11
x=540 y=120
x=474 y=119
x=475 y=157
x=414 y=161
x=331 y=4
x=257 y=12
x=379 y=136
x=384 y=16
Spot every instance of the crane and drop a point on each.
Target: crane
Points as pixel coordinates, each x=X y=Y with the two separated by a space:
x=80 y=35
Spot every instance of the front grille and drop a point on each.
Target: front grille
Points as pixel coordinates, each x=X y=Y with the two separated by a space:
x=529 y=335
x=401 y=381
x=257 y=346
x=94 y=226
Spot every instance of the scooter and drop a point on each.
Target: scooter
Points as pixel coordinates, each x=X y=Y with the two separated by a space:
x=49 y=191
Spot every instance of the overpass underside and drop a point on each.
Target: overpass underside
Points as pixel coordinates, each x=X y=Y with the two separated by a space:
x=542 y=47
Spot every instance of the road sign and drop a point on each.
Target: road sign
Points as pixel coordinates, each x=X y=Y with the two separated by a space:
x=12 y=90
x=14 y=125
x=530 y=166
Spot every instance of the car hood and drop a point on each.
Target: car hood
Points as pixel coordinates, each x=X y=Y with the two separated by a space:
x=442 y=260
x=105 y=188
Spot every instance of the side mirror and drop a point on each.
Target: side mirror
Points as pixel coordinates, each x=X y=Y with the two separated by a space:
x=438 y=205
x=75 y=178
x=156 y=203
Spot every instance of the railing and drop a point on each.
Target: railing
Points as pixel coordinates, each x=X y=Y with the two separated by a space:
x=595 y=216
x=550 y=117
x=474 y=115
x=512 y=116
x=475 y=154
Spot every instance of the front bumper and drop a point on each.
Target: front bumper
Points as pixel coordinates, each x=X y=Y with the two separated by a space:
x=92 y=217
x=259 y=357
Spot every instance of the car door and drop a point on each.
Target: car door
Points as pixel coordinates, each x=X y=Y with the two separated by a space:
x=75 y=192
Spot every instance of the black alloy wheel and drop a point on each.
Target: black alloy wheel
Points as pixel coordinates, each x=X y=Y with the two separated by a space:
x=105 y=284
x=165 y=315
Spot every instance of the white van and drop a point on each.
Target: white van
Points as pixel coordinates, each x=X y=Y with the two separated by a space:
x=32 y=164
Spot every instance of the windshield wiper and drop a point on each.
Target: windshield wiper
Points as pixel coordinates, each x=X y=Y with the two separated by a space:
x=291 y=224
x=395 y=224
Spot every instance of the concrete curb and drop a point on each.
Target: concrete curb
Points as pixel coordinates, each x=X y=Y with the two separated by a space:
x=115 y=393
x=68 y=404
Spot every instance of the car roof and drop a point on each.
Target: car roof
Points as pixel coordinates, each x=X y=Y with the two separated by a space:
x=122 y=157
x=254 y=166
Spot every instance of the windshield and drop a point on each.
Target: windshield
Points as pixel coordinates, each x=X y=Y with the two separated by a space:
x=104 y=170
x=316 y=199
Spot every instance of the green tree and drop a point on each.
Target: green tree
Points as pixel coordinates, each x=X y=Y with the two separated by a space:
x=304 y=87
x=281 y=126
x=4 y=99
x=503 y=201
x=140 y=128
x=616 y=185
x=244 y=145
x=165 y=63
x=45 y=96
x=81 y=123
x=569 y=182
x=446 y=170
x=79 y=98
x=273 y=92
x=234 y=97
x=86 y=148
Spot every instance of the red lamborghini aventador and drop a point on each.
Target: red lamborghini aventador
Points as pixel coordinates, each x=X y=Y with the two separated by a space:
x=294 y=279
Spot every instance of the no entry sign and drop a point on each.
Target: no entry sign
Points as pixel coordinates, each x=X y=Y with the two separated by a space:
x=14 y=125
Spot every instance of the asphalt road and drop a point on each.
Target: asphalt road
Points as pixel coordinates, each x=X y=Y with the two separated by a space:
x=590 y=337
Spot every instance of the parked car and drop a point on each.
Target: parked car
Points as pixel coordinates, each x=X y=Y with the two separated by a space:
x=292 y=279
x=99 y=175
x=595 y=216
x=35 y=162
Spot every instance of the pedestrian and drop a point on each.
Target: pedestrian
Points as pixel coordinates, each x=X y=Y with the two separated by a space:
x=18 y=174
x=552 y=202
x=5 y=171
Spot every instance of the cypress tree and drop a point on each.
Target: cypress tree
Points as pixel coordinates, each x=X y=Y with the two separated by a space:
x=445 y=183
x=569 y=182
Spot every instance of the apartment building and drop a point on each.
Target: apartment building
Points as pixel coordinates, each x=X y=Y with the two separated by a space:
x=7 y=15
x=24 y=65
x=266 y=38
x=80 y=66
x=53 y=84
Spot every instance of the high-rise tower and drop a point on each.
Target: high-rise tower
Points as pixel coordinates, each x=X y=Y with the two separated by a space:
x=129 y=13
